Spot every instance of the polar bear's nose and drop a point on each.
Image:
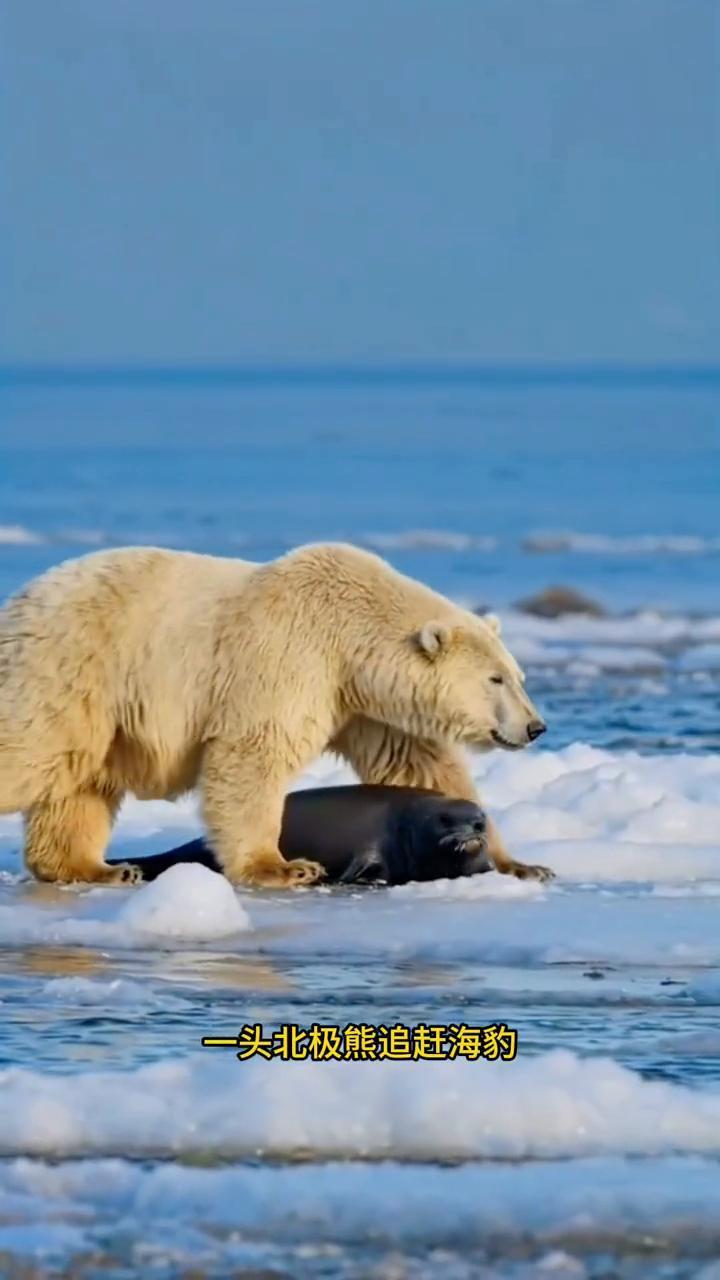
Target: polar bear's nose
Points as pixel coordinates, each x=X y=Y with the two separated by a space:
x=535 y=728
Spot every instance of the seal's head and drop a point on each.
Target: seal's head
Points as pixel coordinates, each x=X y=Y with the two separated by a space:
x=434 y=838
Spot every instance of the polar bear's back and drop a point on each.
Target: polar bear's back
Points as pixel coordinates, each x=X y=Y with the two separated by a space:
x=123 y=589
x=110 y=619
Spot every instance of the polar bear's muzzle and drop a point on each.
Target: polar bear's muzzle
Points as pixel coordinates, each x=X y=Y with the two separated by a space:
x=534 y=729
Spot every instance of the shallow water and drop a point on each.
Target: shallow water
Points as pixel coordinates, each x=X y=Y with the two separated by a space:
x=125 y=1146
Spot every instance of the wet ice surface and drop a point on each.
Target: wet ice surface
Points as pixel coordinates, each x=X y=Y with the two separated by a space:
x=601 y=1141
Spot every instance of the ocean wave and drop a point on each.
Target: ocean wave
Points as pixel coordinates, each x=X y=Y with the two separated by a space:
x=79 y=992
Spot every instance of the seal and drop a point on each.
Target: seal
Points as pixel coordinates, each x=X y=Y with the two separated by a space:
x=365 y=834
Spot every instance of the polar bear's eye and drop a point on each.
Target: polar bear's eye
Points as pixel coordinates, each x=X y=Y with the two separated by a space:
x=496 y=680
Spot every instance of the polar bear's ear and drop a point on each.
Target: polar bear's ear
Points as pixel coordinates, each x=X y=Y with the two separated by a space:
x=493 y=622
x=432 y=638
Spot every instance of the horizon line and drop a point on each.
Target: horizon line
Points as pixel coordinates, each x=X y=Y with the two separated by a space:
x=329 y=374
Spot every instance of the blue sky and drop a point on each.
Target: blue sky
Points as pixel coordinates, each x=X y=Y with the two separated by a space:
x=245 y=181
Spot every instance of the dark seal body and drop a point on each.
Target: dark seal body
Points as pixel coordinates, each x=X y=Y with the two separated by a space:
x=363 y=834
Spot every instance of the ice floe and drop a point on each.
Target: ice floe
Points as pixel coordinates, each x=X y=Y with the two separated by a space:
x=589 y=1202
x=609 y=820
x=557 y=1105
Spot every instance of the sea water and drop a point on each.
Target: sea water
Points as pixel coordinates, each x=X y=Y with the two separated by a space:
x=125 y=1146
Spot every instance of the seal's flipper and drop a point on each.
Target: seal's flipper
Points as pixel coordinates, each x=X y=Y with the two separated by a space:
x=152 y=865
x=366 y=868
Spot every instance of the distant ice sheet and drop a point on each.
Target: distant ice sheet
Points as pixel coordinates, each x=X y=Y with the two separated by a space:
x=16 y=535
x=643 y=544
x=429 y=540
x=457 y=541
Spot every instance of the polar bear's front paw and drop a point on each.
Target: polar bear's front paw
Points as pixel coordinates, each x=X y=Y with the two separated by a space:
x=267 y=869
x=525 y=871
x=301 y=872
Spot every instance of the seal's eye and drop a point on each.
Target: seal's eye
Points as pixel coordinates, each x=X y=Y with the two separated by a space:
x=447 y=820
x=496 y=680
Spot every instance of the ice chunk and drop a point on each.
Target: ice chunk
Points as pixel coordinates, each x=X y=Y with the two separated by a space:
x=187 y=902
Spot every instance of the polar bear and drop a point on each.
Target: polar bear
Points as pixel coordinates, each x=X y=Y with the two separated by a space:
x=150 y=671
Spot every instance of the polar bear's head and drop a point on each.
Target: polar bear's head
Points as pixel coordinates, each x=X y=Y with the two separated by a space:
x=456 y=682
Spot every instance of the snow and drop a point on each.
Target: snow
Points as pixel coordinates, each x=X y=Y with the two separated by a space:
x=677 y=1199
x=658 y=808
x=634 y=644
x=632 y=659
x=185 y=904
x=191 y=903
x=612 y=820
x=553 y=1106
